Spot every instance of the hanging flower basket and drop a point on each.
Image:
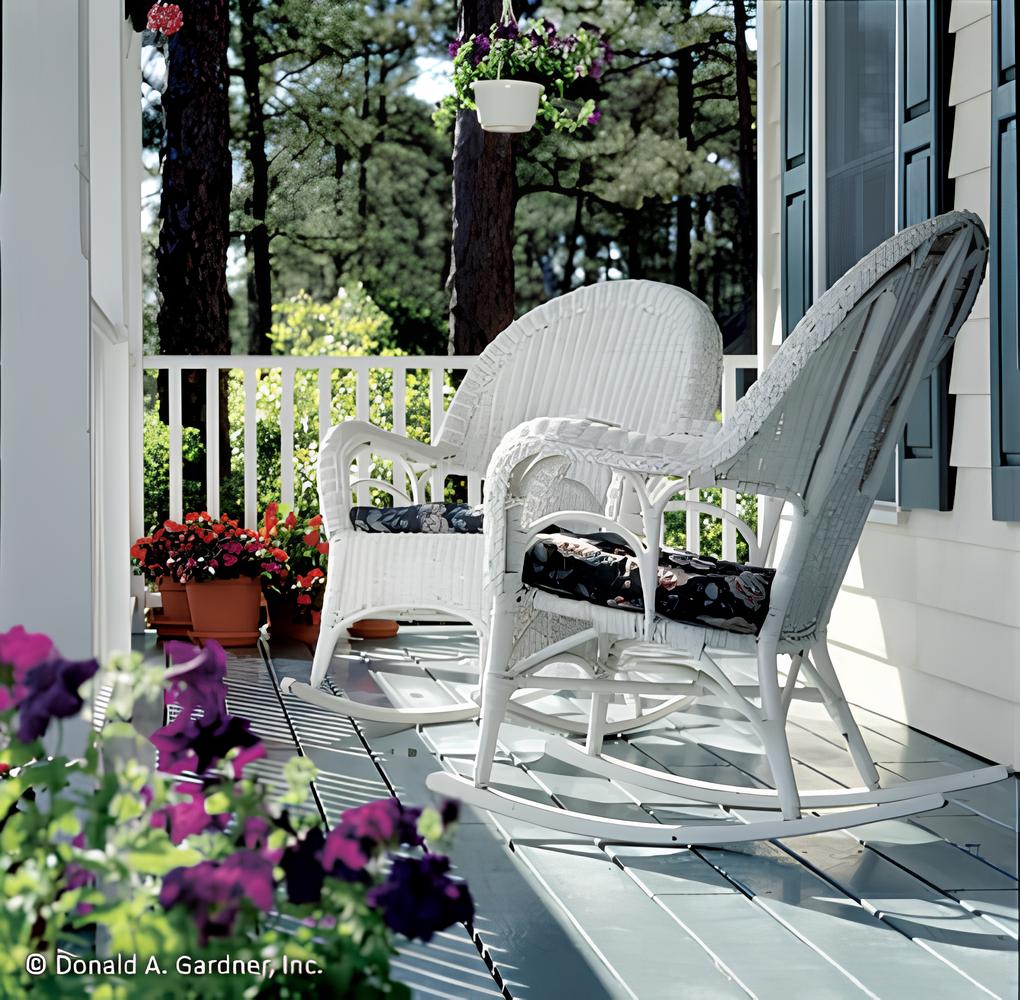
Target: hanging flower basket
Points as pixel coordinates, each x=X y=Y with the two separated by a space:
x=515 y=77
x=507 y=105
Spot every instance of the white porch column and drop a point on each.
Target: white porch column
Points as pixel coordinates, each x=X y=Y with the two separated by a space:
x=64 y=354
x=46 y=580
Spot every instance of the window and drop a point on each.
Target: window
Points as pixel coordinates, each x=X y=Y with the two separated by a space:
x=1005 y=344
x=860 y=130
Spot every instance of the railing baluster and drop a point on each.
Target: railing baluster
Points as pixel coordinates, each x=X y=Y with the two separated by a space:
x=287 y=435
x=325 y=378
x=250 y=453
x=399 y=400
x=363 y=411
x=174 y=375
x=212 y=441
x=729 y=530
x=693 y=524
x=437 y=411
x=731 y=365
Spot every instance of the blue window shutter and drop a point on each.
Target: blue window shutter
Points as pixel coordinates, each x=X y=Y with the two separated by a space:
x=923 y=64
x=1005 y=353
x=795 y=127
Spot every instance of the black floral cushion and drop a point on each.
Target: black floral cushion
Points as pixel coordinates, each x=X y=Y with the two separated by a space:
x=419 y=519
x=601 y=569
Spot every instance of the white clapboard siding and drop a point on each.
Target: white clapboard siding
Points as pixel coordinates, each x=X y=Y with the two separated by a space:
x=927 y=626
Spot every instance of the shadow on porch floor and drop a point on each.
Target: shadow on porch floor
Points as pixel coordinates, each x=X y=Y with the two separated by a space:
x=925 y=906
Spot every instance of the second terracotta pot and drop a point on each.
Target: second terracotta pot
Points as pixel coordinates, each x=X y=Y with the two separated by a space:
x=374 y=628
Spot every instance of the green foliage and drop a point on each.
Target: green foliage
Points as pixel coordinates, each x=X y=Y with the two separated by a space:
x=675 y=534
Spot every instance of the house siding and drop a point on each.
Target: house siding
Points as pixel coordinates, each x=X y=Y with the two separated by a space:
x=927 y=625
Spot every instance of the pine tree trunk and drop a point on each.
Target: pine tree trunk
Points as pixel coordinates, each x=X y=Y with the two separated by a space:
x=256 y=241
x=481 y=281
x=685 y=133
x=191 y=261
x=747 y=247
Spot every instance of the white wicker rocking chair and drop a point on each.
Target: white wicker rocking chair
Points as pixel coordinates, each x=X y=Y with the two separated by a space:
x=637 y=353
x=817 y=430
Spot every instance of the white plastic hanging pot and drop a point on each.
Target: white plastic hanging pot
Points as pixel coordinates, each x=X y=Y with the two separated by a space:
x=507 y=105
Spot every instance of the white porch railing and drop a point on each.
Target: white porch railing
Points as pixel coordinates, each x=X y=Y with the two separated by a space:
x=365 y=372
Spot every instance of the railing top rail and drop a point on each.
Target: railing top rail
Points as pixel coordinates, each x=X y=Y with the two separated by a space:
x=740 y=361
x=246 y=362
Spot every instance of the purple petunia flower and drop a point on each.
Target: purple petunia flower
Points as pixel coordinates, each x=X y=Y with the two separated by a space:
x=454 y=47
x=51 y=692
x=480 y=49
x=196 y=744
x=198 y=677
x=384 y=821
x=595 y=117
x=548 y=27
x=20 y=651
x=183 y=819
x=214 y=891
x=509 y=31
x=598 y=67
x=419 y=899
x=344 y=857
x=76 y=876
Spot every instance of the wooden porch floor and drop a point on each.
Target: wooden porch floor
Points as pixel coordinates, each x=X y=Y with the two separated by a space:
x=910 y=908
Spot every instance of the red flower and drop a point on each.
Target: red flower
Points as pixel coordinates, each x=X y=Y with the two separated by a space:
x=314 y=522
x=290 y=520
x=165 y=17
x=304 y=599
x=312 y=538
x=279 y=554
x=323 y=547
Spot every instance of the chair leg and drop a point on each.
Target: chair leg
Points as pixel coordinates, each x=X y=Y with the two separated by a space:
x=324 y=647
x=773 y=731
x=839 y=711
x=496 y=686
x=597 y=722
x=496 y=694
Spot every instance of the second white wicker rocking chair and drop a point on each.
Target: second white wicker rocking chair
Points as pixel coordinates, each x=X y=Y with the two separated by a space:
x=817 y=430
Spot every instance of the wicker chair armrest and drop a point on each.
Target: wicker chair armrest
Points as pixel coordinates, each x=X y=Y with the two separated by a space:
x=338 y=452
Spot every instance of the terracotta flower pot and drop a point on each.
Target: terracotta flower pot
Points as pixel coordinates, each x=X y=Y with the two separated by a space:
x=174 y=619
x=225 y=610
x=374 y=628
x=300 y=632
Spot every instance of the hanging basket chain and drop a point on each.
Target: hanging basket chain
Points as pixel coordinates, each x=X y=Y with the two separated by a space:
x=507 y=17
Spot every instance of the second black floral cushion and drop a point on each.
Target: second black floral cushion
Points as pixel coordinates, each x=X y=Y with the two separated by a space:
x=601 y=569
x=419 y=519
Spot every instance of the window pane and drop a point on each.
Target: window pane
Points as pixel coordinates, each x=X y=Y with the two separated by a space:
x=860 y=124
